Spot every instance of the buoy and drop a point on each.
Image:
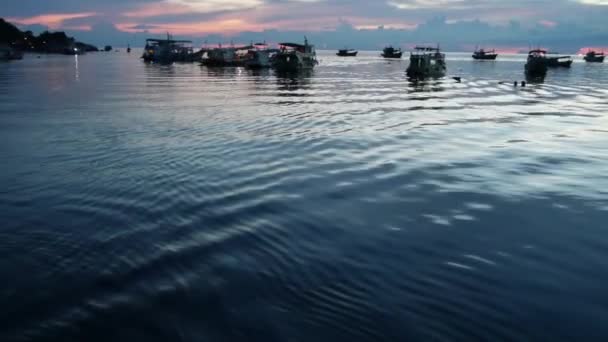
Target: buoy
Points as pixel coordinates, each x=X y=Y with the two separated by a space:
x=523 y=83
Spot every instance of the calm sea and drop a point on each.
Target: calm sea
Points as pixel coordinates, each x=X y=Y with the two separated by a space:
x=184 y=203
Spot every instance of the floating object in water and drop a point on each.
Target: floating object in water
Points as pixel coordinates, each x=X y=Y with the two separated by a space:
x=523 y=83
x=515 y=84
x=457 y=79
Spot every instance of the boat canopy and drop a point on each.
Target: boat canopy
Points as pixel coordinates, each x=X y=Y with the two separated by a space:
x=292 y=45
x=152 y=40
x=427 y=48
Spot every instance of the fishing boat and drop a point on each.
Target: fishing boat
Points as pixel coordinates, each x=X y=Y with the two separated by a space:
x=347 y=53
x=295 y=57
x=166 y=51
x=485 y=55
x=391 y=52
x=594 y=57
x=426 y=62
x=259 y=56
x=537 y=63
x=221 y=56
x=559 y=61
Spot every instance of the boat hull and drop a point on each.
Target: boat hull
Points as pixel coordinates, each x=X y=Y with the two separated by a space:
x=392 y=55
x=485 y=57
x=555 y=63
x=594 y=59
x=536 y=67
x=347 y=54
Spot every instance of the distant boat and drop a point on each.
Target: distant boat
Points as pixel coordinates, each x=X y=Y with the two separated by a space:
x=295 y=57
x=107 y=48
x=391 y=52
x=9 y=54
x=481 y=54
x=537 y=63
x=347 y=53
x=559 y=61
x=426 y=62
x=128 y=48
x=594 y=57
x=167 y=51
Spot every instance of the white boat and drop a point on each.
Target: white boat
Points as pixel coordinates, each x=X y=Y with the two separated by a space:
x=167 y=50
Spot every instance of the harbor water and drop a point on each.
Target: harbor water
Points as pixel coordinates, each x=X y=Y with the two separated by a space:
x=141 y=202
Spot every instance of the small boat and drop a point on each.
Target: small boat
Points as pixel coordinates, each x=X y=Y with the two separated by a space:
x=7 y=53
x=166 y=51
x=537 y=63
x=128 y=48
x=594 y=57
x=295 y=57
x=426 y=62
x=481 y=54
x=107 y=48
x=347 y=53
x=559 y=61
x=391 y=52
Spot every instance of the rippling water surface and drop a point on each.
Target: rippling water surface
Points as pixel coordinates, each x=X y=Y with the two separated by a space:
x=180 y=203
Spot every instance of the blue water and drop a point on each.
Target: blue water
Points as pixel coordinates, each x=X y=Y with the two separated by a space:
x=179 y=203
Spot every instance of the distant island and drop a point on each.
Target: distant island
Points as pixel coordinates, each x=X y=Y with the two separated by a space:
x=46 y=42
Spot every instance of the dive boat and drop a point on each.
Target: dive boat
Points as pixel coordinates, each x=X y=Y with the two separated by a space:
x=294 y=57
x=259 y=56
x=167 y=51
x=594 y=57
x=347 y=53
x=481 y=54
x=426 y=62
x=391 y=52
x=537 y=63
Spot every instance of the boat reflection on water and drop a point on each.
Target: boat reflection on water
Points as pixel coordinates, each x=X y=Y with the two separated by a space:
x=535 y=79
x=418 y=85
x=288 y=83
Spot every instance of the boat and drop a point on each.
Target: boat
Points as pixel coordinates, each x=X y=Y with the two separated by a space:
x=481 y=54
x=7 y=53
x=226 y=56
x=559 y=61
x=537 y=63
x=166 y=51
x=128 y=48
x=107 y=48
x=594 y=57
x=391 y=52
x=259 y=56
x=425 y=62
x=347 y=53
x=295 y=57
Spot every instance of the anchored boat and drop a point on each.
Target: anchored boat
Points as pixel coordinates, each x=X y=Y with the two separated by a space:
x=559 y=61
x=295 y=57
x=594 y=57
x=537 y=63
x=481 y=54
x=259 y=56
x=426 y=62
x=167 y=51
x=347 y=53
x=391 y=52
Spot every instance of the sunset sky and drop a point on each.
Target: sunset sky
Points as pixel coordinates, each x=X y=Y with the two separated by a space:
x=230 y=17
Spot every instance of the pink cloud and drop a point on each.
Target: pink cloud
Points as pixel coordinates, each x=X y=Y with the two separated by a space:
x=52 y=20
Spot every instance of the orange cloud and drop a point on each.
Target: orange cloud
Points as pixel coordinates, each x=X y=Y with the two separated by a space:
x=53 y=21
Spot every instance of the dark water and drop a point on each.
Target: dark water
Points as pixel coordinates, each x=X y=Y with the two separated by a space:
x=180 y=203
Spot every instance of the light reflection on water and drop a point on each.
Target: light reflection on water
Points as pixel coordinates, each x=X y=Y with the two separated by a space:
x=189 y=203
